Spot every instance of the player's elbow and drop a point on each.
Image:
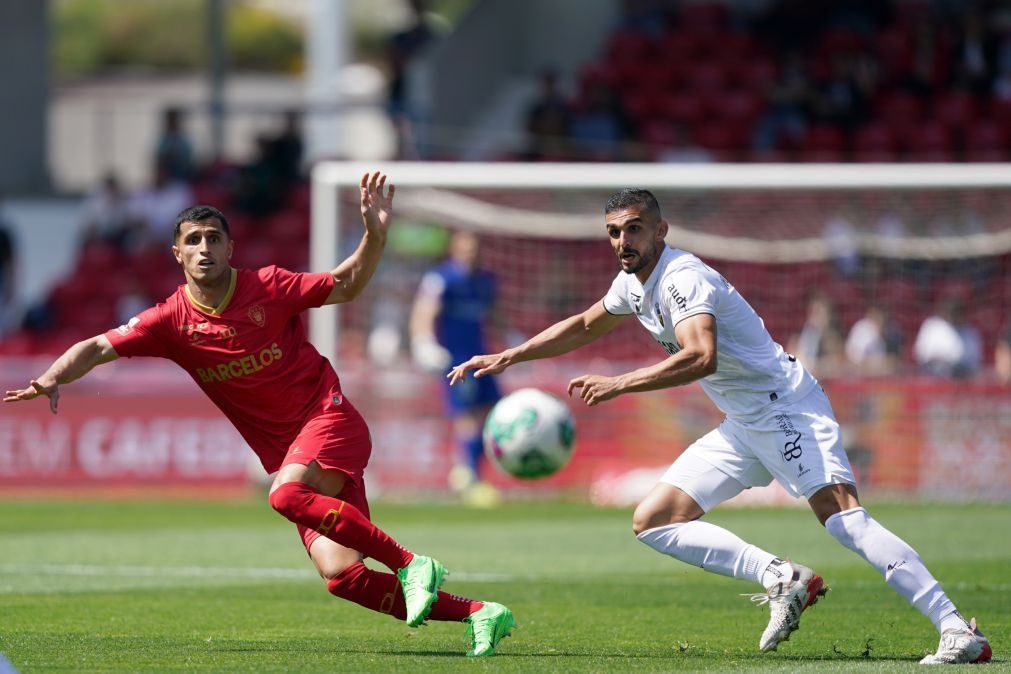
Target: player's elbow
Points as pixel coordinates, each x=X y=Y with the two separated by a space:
x=706 y=362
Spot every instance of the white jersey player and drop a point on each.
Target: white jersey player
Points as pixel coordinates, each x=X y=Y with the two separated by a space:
x=779 y=425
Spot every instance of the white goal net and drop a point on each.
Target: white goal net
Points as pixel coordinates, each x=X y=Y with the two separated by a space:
x=814 y=248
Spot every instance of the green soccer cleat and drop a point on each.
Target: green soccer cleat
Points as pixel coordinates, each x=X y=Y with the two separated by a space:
x=420 y=580
x=489 y=626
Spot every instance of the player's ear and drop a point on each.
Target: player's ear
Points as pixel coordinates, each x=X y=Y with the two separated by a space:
x=231 y=247
x=175 y=253
x=661 y=230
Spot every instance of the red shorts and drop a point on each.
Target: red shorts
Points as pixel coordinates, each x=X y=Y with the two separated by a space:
x=337 y=439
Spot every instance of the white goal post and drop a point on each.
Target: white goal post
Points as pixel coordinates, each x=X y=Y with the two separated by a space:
x=435 y=190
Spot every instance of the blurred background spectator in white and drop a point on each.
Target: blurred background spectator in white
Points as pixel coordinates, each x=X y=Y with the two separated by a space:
x=819 y=345
x=947 y=345
x=873 y=343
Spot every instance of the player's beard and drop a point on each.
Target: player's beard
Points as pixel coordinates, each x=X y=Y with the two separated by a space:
x=645 y=258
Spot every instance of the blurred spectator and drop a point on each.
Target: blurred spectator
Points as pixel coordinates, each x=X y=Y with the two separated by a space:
x=975 y=53
x=681 y=150
x=840 y=238
x=402 y=48
x=132 y=300
x=844 y=98
x=789 y=100
x=599 y=126
x=547 y=121
x=819 y=345
x=873 y=343
x=7 y=275
x=947 y=345
x=258 y=189
x=644 y=16
x=106 y=214
x=157 y=206
x=283 y=152
x=930 y=60
x=174 y=151
x=1002 y=355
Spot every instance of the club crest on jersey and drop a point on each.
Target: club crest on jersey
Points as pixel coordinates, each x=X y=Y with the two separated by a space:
x=257 y=315
x=659 y=316
x=636 y=302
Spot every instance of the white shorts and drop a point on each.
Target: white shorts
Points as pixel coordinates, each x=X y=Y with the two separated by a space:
x=797 y=443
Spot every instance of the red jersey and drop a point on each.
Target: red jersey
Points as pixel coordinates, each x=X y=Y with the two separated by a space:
x=250 y=354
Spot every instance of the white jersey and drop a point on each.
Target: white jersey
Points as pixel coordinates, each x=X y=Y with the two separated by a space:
x=753 y=372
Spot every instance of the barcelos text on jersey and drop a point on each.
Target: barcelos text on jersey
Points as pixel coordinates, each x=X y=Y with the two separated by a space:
x=241 y=367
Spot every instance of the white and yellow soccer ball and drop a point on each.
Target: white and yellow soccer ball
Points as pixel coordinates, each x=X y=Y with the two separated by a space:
x=529 y=434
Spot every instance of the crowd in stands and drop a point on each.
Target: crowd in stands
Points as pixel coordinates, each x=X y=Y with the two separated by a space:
x=788 y=80
x=124 y=262
x=678 y=82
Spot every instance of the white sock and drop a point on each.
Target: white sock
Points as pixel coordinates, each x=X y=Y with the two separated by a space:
x=709 y=547
x=902 y=568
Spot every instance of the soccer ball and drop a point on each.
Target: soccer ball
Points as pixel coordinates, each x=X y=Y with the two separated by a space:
x=529 y=434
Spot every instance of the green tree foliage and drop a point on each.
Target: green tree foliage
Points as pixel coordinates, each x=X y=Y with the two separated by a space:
x=92 y=36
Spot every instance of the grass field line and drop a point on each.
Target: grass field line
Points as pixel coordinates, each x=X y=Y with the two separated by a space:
x=287 y=573
x=252 y=573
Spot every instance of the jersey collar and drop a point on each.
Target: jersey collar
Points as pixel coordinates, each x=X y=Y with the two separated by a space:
x=220 y=309
x=658 y=270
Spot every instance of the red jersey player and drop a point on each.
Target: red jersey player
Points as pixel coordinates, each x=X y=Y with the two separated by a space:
x=238 y=334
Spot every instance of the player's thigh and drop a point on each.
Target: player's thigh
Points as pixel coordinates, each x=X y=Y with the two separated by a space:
x=801 y=445
x=717 y=467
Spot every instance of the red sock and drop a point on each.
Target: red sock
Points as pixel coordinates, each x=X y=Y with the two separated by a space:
x=372 y=589
x=381 y=592
x=339 y=521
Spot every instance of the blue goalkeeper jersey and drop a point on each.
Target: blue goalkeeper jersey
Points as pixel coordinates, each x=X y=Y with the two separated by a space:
x=467 y=297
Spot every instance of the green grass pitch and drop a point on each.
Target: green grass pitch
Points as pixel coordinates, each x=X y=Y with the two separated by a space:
x=141 y=586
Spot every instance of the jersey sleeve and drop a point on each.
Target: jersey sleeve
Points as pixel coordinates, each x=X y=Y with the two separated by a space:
x=687 y=292
x=616 y=299
x=142 y=335
x=299 y=291
x=432 y=285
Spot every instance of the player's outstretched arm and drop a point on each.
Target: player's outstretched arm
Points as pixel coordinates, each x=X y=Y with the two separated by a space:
x=76 y=362
x=562 y=337
x=695 y=360
x=353 y=274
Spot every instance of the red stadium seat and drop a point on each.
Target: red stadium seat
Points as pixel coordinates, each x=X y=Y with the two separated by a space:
x=957 y=109
x=824 y=137
x=702 y=16
x=630 y=47
x=703 y=76
x=683 y=108
x=928 y=139
x=755 y=74
x=899 y=109
x=874 y=142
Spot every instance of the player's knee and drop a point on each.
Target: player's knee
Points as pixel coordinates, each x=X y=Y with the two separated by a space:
x=342 y=576
x=287 y=498
x=647 y=517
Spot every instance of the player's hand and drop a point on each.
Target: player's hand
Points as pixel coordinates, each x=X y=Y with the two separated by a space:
x=429 y=355
x=377 y=207
x=595 y=388
x=34 y=391
x=482 y=366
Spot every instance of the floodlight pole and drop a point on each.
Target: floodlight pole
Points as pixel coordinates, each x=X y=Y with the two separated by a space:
x=216 y=63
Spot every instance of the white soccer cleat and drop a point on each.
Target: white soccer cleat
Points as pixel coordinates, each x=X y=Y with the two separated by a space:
x=787 y=600
x=960 y=647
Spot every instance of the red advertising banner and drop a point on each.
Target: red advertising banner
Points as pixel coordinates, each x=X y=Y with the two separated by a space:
x=145 y=424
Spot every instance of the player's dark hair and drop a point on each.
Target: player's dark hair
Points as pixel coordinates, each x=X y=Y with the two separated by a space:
x=633 y=197
x=199 y=214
